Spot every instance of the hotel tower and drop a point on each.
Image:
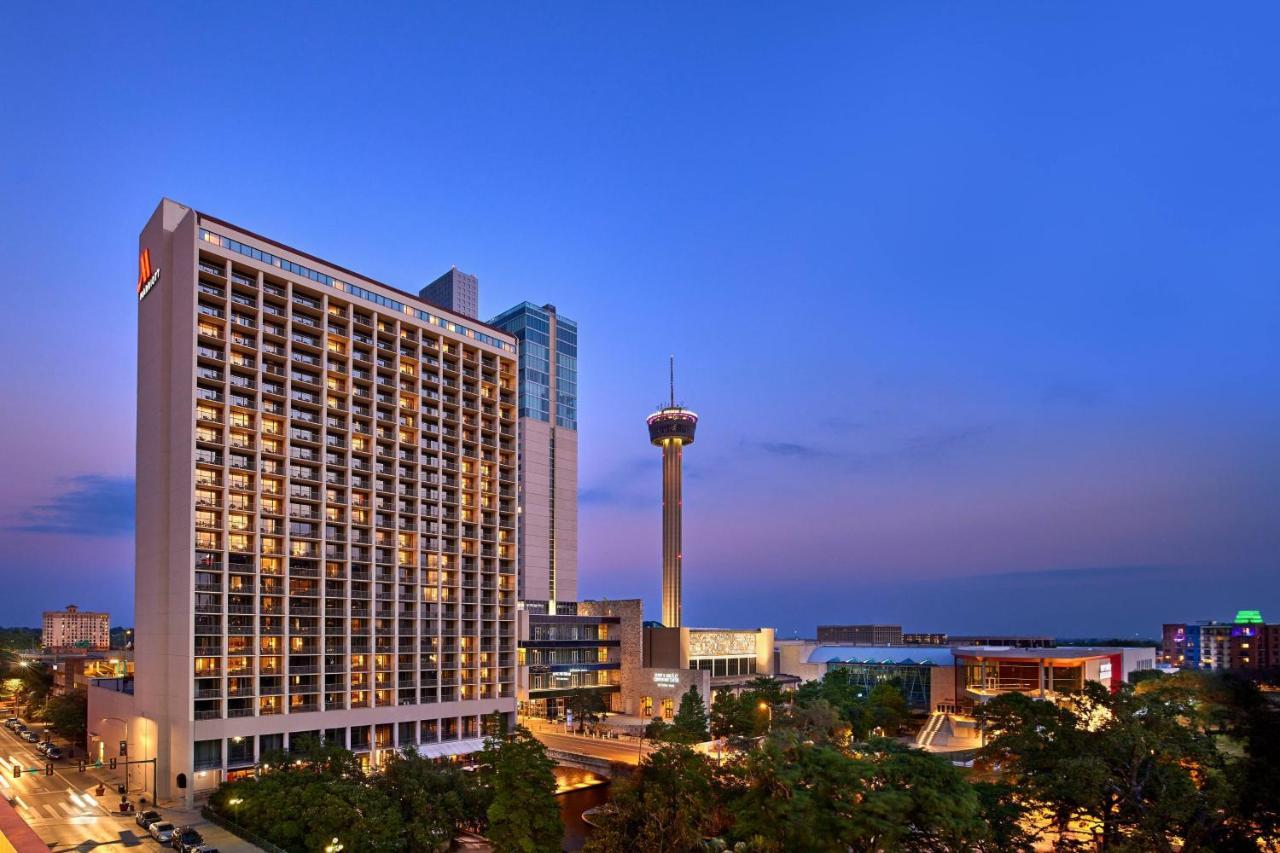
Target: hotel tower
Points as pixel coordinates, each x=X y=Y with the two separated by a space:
x=326 y=511
x=671 y=429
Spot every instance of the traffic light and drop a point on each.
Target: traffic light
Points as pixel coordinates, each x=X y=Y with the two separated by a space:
x=17 y=772
x=48 y=768
x=113 y=764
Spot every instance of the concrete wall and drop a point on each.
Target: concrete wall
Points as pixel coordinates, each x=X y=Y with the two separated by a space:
x=630 y=635
x=110 y=713
x=566 y=521
x=536 y=438
x=793 y=659
x=942 y=686
x=665 y=647
x=164 y=580
x=535 y=510
x=660 y=683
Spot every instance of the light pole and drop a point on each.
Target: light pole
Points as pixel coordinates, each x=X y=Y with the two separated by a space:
x=333 y=846
x=235 y=802
x=768 y=709
x=124 y=723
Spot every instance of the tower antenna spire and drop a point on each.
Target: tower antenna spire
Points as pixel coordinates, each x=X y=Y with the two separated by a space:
x=673 y=381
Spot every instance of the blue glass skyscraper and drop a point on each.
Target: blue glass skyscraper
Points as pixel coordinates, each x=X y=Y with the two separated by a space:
x=548 y=409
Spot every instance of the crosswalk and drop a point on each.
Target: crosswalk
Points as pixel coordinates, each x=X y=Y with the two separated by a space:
x=53 y=811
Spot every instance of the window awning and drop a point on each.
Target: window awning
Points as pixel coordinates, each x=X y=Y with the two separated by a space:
x=453 y=747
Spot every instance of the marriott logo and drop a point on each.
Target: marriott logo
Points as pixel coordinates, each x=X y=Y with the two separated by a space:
x=147 y=277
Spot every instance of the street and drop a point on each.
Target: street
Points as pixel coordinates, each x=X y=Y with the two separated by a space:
x=66 y=813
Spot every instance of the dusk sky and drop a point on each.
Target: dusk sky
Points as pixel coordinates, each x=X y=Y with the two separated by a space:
x=979 y=303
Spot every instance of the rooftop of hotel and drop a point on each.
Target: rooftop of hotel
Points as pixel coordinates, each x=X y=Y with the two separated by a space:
x=416 y=302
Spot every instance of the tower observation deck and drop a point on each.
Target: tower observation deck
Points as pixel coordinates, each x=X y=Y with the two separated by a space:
x=671 y=428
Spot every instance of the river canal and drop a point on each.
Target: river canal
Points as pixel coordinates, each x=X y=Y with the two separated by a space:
x=582 y=791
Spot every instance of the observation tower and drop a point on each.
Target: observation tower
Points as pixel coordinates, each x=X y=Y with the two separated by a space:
x=671 y=429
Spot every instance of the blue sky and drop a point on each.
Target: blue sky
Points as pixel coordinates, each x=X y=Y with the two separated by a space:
x=977 y=302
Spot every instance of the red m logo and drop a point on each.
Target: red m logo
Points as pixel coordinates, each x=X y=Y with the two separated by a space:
x=144 y=269
x=147 y=277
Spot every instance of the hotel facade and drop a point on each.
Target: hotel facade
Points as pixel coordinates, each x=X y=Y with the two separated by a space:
x=326 y=513
x=74 y=628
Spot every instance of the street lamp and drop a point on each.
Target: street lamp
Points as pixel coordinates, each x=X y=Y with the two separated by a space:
x=234 y=802
x=125 y=723
x=768 y=709
x=333 y=846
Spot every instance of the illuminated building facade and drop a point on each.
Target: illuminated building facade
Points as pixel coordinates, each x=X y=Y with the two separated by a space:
x=1246 y=643
x=74 y=628
x=326 y=512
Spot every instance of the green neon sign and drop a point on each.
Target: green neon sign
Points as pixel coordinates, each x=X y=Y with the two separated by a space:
x=1248 y=617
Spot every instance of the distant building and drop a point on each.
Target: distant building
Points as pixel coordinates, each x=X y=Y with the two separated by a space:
x=455 y=291
x=1254 y=644
x=1173 y=644
x=861 y=635
x=1208 y=645
x=1247 y=643
x=1016 y=641
x=74 y=628
x=924 y=638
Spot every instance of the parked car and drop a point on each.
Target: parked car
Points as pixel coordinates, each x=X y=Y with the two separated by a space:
x=30 y=736
x=145 y=819
x=12 y=722
x=43 y=746
x=205 y=848
x=161 y=831
x=54 y=753
x=186 y=839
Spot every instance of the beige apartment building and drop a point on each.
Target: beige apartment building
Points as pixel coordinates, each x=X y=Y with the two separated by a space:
x=74 y=628
x=326 y=512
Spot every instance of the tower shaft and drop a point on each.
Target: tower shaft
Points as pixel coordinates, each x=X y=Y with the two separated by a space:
x=671 y=532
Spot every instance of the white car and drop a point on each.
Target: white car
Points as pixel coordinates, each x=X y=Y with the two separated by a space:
x=162 y=831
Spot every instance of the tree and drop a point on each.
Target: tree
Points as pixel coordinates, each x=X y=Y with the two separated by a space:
x=1004 y=818
x=668 y=806
x=734 y=716
x=586 y=705
x=656 y=729
x=886 y=709
x=690 y=722
x=523 y=815
x=795 y=795
x=67 y=714
x=1135 y=764
x=301 y=809
x=764 y=688
x=815 y=721
x=37 y=684
x=434 y=800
